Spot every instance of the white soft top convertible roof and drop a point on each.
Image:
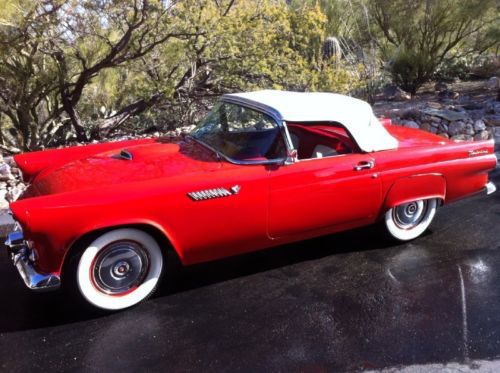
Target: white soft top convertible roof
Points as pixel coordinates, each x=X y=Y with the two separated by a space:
x=356 y=115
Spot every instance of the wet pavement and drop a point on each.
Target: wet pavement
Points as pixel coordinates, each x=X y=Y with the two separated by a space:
x=350 y=301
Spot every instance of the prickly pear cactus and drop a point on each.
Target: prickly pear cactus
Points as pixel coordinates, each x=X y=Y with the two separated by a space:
x=331 y=48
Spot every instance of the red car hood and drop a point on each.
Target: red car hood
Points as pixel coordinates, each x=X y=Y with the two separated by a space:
x=147 y=161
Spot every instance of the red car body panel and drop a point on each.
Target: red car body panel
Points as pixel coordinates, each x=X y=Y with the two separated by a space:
x=79 y=190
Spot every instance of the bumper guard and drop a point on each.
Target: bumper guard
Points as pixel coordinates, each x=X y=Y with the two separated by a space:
x=490 y=188
x=23 y=259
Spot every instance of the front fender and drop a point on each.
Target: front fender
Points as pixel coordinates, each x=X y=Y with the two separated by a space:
x=55 y=222
x=412 y=188
x=126 y=222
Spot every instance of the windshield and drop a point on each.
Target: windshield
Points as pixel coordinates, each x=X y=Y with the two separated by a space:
x=241 y=133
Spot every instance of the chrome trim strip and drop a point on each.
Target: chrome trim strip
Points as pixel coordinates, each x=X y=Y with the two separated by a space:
x=490 y=188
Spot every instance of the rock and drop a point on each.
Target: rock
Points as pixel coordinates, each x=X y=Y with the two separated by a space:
x=409 y=123
x=435 y=124
x=5 y=173
x=492 y=120
x=433 y=130
x=447 y=114
x=469 y=129
x=426 y=126
x=443 y=134
x=483 y=135
x=479 y=125
x=402 y=96
x=461 y=137
x=493 y=107
x=476 y=114
x=443 y=127
x=447 y=95
x=493 y=83
x=434 y=105
x=4 y=204
x=394 y=93
x=456 y=128
x=411 y=114
x=14 y=192
x=440 y=86
x=472 y=106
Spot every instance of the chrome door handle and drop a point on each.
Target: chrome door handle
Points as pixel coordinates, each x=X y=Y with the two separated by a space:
x=364 y=165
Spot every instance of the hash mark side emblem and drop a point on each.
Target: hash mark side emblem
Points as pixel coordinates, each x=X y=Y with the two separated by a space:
x=205 y=194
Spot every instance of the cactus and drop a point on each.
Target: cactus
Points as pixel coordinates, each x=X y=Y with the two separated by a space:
x=331 y=48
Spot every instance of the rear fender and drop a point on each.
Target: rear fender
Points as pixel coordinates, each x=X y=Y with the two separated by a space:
x=414 y=188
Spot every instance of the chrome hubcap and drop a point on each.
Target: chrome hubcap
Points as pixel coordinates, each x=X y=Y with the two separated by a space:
x=120 y=266
x=409 y=215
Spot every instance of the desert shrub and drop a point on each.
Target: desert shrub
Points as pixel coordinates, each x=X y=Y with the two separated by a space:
x=451 y=69
x=418 y=37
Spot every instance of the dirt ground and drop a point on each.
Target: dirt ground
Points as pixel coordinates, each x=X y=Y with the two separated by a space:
x=475 y=92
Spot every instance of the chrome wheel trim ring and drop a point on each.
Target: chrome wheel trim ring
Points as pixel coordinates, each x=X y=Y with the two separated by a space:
x=410 y=215
x=120 y=267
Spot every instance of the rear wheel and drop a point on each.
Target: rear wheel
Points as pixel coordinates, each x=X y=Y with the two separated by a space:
x=408 y=221
x=119 y=269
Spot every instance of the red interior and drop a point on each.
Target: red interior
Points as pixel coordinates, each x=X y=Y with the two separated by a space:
x=311 y=136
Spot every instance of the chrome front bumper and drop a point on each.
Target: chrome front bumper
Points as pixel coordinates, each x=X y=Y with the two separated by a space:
x=23 y=258
x=490 y=188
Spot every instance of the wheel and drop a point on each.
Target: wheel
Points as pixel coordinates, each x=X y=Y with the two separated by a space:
x=119 y=269
x=408 y=221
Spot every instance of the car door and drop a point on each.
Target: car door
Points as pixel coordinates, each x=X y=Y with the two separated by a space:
x=323 y=193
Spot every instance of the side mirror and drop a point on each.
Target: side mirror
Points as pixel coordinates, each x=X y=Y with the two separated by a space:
x=291 y=157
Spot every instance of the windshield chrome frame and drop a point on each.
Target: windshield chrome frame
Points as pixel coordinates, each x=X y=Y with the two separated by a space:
x=267 y=110
x=264 y=110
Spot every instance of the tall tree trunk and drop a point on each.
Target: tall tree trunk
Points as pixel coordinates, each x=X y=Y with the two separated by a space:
x=75 y=120
x=25 y=124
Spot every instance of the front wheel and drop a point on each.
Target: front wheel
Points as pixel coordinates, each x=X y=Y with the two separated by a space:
x=119 y=269
x=408 y=221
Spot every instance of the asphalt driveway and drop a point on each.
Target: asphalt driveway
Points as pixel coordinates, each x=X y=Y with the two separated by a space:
x=349 y=301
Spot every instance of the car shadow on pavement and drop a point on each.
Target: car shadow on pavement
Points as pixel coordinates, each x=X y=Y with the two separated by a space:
x=22 y=309
x=186 y=278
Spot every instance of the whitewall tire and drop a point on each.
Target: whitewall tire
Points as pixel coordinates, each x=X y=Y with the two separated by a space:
x=119 y=269
x=408 y=221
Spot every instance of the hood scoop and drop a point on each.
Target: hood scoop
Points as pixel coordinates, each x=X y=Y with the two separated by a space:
x=124 y=154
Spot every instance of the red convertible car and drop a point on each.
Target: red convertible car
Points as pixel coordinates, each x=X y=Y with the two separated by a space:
x=262 y=169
